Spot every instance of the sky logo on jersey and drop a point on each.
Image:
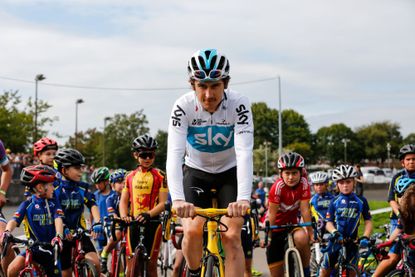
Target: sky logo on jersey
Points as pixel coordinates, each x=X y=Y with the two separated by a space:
x=211 y=139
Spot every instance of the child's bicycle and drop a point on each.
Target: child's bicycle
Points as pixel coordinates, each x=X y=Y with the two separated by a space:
x=31 y=269
x=343 y=267
x=212 y=258
x=372 y=255
x=292 y=259
x=118 y=254
x=406 y=267
x=81 y=267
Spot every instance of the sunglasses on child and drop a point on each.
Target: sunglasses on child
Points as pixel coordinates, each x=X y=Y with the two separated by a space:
x=146 y=155
x=214 y=75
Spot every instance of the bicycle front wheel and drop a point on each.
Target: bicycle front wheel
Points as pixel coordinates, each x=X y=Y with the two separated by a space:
x=139 y=264
x=121 y=265
x=294 y=265
x=211 y=267
x=87 y=269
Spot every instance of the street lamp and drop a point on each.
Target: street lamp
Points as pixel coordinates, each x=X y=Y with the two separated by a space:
x=279 y=118
x=345 y=141
x=266 y=144
x=388 y=147
x=38 y=78
x=103 y=139
x=78 y=101
x=330 y=145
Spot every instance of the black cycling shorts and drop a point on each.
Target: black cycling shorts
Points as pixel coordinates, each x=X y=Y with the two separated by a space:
x=66 y=254
x=276 y=249
x=198 y=185
x=152 y=239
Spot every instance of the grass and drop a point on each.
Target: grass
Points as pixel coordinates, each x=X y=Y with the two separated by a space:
x=378 y=219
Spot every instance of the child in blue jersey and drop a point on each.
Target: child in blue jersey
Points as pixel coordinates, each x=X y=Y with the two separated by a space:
x=100 y=177
x=343 y=218
x=73 y=195
x=42 y=219
x=320 y=201
x=112 y=204
x=405 y=190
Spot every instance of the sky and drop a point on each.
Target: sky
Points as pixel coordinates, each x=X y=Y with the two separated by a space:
x=350 y=62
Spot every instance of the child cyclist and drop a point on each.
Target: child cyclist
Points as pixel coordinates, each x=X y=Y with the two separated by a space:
x=100 y=177
x=343 y=218
x=113 y=202
x=403 y=185
x=45 y=150
x=42 y=218
x=320 y=201
x=143 y=198
x=72 y=195
x=289 y=195
x=407 y=157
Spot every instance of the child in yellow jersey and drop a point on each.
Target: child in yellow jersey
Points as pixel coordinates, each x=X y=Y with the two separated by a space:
x=143 y=199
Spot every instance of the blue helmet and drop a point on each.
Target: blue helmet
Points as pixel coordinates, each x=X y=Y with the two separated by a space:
x=118 y=176
x=402 y=184
x=208 y=65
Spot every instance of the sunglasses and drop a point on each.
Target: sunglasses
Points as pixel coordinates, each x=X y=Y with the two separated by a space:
x=214 y=75
x=146 y=155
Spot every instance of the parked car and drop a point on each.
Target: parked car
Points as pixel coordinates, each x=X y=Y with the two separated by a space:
x=374 y=175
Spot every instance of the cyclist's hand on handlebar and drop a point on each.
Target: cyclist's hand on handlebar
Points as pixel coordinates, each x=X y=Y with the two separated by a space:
x=57 y=240
x=143 y=217
x=238 y=208
x=67 y=233
x=126 y=218
x=4 y=236
x=97 y=230
x=184 y=209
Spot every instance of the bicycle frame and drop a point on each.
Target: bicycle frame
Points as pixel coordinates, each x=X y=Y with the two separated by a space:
x=30 y=267
x=78 y=254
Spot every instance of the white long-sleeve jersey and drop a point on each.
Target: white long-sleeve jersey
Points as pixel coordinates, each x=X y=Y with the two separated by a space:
x=211 y=142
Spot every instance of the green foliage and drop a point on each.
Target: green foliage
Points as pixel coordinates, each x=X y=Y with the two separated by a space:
x=375 y=136
x=17 y=121
x=265 y=125
x=294 y=128
x=161 y=156
x=410 y=139
x=329 y=145
x=265 y=157
x=304 y=149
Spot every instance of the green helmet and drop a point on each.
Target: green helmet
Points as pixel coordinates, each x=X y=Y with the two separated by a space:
x=100 y=174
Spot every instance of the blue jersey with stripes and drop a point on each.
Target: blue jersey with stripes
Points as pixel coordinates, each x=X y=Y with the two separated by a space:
x=72 y=197
x=113 y=204
x=345 y=211
x=38 y=217
x=319 y=205
x=392 y=194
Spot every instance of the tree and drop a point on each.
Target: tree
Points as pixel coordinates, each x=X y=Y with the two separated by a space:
x=161 y=156
x=17 y=129
x=410 y=139
x=375 y=136
x=295 y=128
x=329 y=145
x=89 y=143
x=265 y=125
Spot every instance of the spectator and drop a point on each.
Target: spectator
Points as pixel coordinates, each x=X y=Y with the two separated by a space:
x=359 y=181
x=260 y=193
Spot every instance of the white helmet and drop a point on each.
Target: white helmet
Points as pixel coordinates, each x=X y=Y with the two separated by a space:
x=344 y=171
x=208 y=65
x=319 y=177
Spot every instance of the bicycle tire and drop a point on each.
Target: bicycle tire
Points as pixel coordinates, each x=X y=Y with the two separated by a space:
x=87 y=269
x=294 y=265
x=183 y=268
x=139 y=264
x=348 y=270
x=121 y=264
x=211 y=267
x=400 y=273
x=314 y=265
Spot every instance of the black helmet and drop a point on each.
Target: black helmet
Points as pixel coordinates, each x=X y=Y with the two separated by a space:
x=144 y=143
x=406 y=149
x=68 y=156
x=291 y=160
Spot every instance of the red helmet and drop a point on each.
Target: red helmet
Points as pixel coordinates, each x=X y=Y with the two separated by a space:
x=34 y=174
x=44 y=144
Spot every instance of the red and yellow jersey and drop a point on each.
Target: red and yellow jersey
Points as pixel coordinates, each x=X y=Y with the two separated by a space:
x=143 y=187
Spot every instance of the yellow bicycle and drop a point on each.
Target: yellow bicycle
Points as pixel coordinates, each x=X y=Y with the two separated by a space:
x=213 y=256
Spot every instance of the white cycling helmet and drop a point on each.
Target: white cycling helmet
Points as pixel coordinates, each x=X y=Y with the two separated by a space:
x=344 y=171
x=319 y=177
x=208 y=65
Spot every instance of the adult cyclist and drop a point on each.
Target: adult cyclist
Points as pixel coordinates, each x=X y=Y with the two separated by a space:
x=211 y=127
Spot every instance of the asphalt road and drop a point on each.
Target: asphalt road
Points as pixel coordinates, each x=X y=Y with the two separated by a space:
x=259 y=260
